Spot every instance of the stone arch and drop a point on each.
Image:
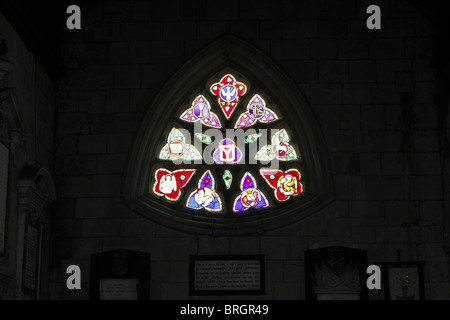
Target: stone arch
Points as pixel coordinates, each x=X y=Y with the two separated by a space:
x=229 y=53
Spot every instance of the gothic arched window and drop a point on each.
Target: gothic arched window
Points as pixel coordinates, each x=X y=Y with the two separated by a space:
x=229 y=146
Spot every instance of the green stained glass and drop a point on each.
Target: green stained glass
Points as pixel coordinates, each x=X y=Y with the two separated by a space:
x=227 y=178
x=204 y=138
x=252 y=138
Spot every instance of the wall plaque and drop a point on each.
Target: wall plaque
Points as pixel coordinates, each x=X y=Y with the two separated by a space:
x=227 y=275
x=118 y=289
x=336 y=273
x=120 y=275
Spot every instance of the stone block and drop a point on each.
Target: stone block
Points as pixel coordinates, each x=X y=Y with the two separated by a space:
x=356 y=94
x=426 y=141
x=339 y=227
x=420 y=48
x=339 y=140
x=119 y=143
x=101 y=227
x=403 y=82
x=128 y=122
x=394 y=163
x=89 y=208
x=167 y=51
x=359 y=188
x=294 y=270
x=290 y=49
x=274 y=270
x=323 y=49
x=180 y=30
x=386 y=48
x=70 y=123
x=343 y=185
x=245 y=245
x=118 y=101
x=326 y=94
x=332 y=27
x=210 y=29
x=74 y=186
x=119 y=52
x=387 y=188
x=92 y=144
x=352 y=49
x=141 y=31
x=385 y=93
x=387 y=69
x=92 y=53
x=301 y=70
x=288 y=290
x=246 y=29
x=99 y=77
x=363 y=234
x=91 y=101
x=141 y=99
x=362 y=71
x=328 y=116
x=82 y=248
x=392 y=234
x=370 y=163
x=213 y=245
x=428 y=187
x=106 y=185
x=387 y=141
x=275 y=247
x=431 y=252
x=101 y=123
x=105 y=32
x=345 y=163
x=66 y=227
x=77 y=165
x=179 y=249
x=111 y=163
x=288 y=29
x=64 y=208
x=426 y=116
x=333 y=71
x=154 y=75
x=139 y=52
x=400 y=213
x=127 y=76
x=174 y=291
x=114 y=243
x=366 y=209
x=431 y=212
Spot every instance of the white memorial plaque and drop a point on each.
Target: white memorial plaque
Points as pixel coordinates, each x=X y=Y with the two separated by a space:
x=238 y=276
x=118 y=289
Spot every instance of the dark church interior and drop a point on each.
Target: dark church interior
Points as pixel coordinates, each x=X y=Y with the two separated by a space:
x=119 y=180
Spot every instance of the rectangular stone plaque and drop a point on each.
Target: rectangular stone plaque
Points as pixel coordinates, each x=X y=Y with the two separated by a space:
x=227 y=275
x=118 y=289
x=119 y=275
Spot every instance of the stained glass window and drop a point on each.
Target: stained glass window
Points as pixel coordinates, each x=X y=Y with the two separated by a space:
x=177 y=148
x=201 y=111
x=256 y=111
x=279 y=149
x=250 y=196
x=205 y=196
x=201 y=133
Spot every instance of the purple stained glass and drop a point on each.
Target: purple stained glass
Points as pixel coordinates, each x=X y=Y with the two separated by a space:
x=247 y=182
x=207 y=181
x=227 y=152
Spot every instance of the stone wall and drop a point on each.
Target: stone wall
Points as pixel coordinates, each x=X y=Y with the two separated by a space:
x=36 y=99
x=373 y=93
